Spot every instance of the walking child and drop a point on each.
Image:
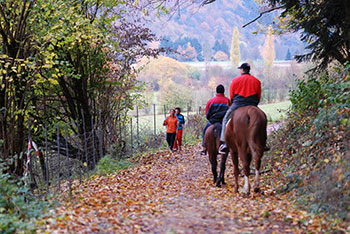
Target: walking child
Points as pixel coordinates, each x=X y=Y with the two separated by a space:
x=181 y=119
x=172 y=123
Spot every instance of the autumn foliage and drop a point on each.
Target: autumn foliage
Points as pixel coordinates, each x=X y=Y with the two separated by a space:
x=173 y=193
x=315 y=144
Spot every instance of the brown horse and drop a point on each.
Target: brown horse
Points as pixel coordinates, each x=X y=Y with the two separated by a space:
x=245 y=135
x=212 y=143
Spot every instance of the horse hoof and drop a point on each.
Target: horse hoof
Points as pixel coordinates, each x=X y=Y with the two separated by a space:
x=245 y=195
x=257 y=190
x=218 y=185
x=223 y=182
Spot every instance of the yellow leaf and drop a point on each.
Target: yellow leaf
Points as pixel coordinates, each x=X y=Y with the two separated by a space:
x=53 y=81
x=85 y=164
x=326 y=160
x=340 y=176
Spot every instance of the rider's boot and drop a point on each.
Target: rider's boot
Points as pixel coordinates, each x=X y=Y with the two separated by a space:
x=223 y=148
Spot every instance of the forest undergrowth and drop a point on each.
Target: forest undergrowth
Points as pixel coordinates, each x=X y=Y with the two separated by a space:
x=313 y=146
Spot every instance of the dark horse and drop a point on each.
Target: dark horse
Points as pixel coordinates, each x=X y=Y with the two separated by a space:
x=212 y=143
x=245 y=135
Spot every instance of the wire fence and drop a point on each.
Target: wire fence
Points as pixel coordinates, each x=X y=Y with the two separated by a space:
x=54 y=164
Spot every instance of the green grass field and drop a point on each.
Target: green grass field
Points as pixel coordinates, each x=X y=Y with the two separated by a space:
x=147 y=121
x=274 y=112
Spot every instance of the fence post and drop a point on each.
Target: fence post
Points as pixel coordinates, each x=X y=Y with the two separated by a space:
x=79 y=152
x=59 y=157
x=93 y=141
x=120 y=128
x=30 y=158
x=85 y=144
x=164 y=112
x=47 y=162
x=79 y=156
x=68 y=166
x=123 y=152
x=131 y=145
x=188 y=110
x=137 y=127
x=101 y=136
x=154 y=112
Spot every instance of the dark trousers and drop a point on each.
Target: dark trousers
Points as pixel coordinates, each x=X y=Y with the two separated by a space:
x=204 y=130
x=170 y=138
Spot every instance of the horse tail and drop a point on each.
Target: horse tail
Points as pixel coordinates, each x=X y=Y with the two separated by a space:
x=217 y=129
x=217 y=132
x=257 y=122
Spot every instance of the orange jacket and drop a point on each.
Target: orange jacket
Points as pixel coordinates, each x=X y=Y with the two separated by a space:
x=172 y=124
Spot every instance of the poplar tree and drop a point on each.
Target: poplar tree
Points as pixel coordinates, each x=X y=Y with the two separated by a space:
x=268 y=51
x=235 y=54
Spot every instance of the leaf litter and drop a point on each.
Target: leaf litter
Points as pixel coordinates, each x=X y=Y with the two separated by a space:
x=174 y=193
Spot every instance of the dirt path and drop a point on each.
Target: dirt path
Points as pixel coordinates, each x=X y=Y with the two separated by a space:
x=173 y=193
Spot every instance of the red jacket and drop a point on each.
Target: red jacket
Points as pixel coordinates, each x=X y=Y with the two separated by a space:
x=245 y=89
x=216 y=108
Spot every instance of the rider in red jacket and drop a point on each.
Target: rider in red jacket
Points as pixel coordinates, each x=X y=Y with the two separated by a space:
x=245 y=90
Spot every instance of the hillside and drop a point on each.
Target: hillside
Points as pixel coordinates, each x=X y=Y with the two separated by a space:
x=217 y=21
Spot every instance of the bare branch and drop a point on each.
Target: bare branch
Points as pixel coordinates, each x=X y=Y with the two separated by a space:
x=6 y=27
x=261 y=14
x=93 y=17
x=206 y=2
x=19 y=24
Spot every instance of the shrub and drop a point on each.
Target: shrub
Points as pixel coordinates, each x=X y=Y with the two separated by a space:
x=318 y=92
x=315 y=144
x=194 y=128
x=108 y=165
x=18 y=207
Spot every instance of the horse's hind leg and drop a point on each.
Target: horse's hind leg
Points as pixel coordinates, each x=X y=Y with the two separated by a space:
x=234 y=156
x=257 y=172
x=214 y=164
x=246 y=159
x=221 y=178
